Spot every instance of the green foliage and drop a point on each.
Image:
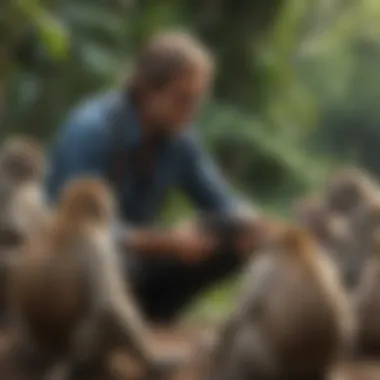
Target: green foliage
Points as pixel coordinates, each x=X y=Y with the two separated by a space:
x=303 y=75
x=89 y=42
x=51 y=32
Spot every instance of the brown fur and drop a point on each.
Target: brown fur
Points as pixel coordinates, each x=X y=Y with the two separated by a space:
x=367 y=298
x=22 y=207
x=339 y=233
x=356 y=370
x=350 y=193
x=310 y=214
x=362 y=225
x=67 y=289
x=292 y=319
x=348 y=189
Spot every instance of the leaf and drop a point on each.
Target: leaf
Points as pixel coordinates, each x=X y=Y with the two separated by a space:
x=92 y=17
x=52 y=33
x=98 y=60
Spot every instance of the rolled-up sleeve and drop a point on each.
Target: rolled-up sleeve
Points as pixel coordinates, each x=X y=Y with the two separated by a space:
x=202 y=181
x=78 y=151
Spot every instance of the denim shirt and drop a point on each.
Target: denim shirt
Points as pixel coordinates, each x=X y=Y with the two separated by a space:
x=83 y=148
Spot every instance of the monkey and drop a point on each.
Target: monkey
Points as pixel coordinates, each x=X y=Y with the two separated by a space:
x=348 y=195
x=336 y=218
x=336 y=233
x=293 y=318
x=22 y=205
x=67 y=291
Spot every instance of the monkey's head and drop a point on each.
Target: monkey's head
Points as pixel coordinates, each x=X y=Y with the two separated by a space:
x=294 y=240
x=89 y=200
x=348 y=189
x=22 y=159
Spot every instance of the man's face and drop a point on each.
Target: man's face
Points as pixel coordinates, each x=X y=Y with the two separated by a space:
x=171 y=108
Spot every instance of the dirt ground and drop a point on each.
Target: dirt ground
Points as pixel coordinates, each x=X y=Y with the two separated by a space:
x=182 y=342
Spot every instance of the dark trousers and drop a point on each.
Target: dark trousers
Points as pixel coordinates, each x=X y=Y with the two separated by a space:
x=164 y=286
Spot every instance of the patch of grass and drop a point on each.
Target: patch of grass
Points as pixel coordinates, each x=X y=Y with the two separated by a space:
x=215 y=304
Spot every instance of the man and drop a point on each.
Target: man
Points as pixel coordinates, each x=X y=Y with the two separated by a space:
x=142 y=142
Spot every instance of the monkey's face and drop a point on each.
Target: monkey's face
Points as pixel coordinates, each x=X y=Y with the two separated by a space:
x=349 y=188
x=344 y=198
x=89 y=199
x=22 y=161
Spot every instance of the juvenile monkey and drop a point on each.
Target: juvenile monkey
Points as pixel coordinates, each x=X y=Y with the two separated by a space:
x=67 y=289
x=22 y=206
x=293 y=317
x=334 y=232
x=335 y=219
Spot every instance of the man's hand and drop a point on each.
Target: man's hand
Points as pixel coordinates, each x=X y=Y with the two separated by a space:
x=186 y=242
x=194 y=245
x=258 y=232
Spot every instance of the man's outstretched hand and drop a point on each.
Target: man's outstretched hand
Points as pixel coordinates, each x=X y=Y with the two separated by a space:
x=190 y=243
x=194 y=245
x=186 y=242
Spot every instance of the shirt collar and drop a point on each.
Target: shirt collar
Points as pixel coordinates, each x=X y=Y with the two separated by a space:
x=127 y=115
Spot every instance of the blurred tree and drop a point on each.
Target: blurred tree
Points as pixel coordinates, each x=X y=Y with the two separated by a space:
x=340 y=67
x=236 y=29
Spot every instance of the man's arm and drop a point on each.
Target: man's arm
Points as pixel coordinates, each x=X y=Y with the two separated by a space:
x=202 y=181
x=185 y=245
x=204 y=184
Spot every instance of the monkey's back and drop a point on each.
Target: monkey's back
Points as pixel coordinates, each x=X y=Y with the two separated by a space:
x=49 y=290
x=305 y=316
